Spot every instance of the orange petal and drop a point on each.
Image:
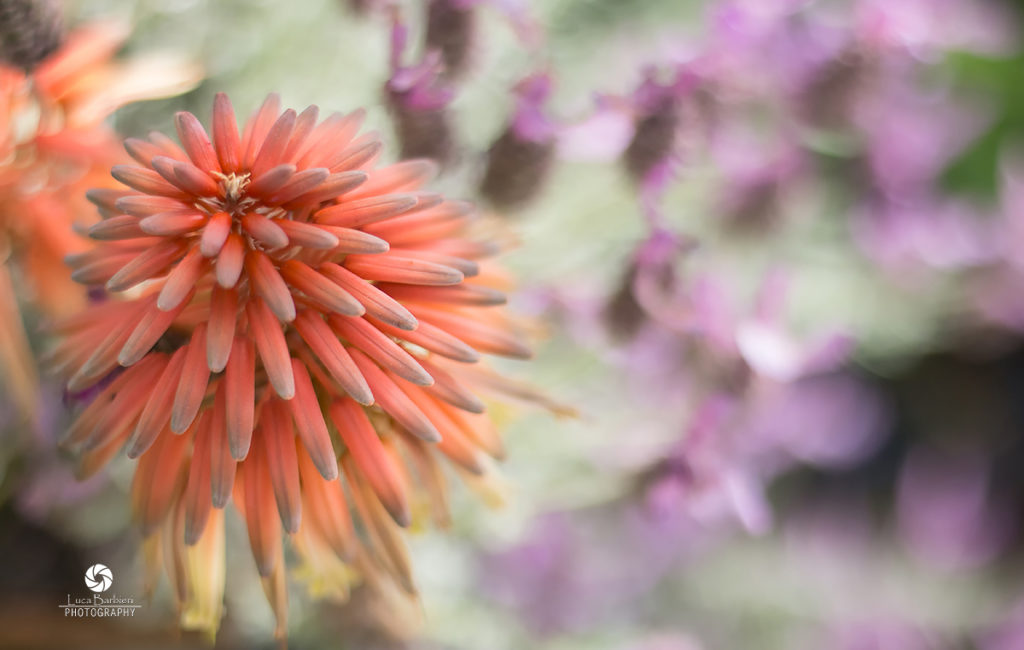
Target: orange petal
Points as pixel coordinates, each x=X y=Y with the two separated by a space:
x=362 y=212
x=328 y=349
x=381 y=348
x=215 y=234
x=94 y=414
x=257 y=126
x=331 y=188
x=146 y=205
x=157 y=413
x=407 y=270
x=377 y=303
x=222 y=461
x=309 y=422
x=181 y=280
x=326 y=509
x=147 y=265
x=104 y=357
x=426 y=224
x=460 y=294
x=479 y=429
x=195 y=142
x=194 y=180
x=240 y=396
x=261 y=516
x=431 y=477
x=483 y=336
x=142 y=150
x=195 y=376
x=153 y=325
x=376 y=465
x=362 y=150
x=448 y=389
x=453 y=443
x=320 y=289
x=384 y=539
x=399 y=177
x=168 y=146
x=308 y=235
x=99 y=265
x=395 y=402
x=283 y=466
x=264 y=230
x=275 y=588
x=122 y=226
x=304 y=125
x=269 y=285
x=303 y=182
x=329 y=137
x=197 y=491
x=223 y=314
x=270 y=181
x=230 y=261
x=120 y=406
x=468 y=268
x=158 y=480
x=225 y=134
x=146 y=181
x=274 y=143
x=269 y=337
x=356 y=241
x=436 y=340
x=171 y=224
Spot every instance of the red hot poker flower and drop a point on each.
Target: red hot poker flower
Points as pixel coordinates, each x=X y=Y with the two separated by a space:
x=282 y=307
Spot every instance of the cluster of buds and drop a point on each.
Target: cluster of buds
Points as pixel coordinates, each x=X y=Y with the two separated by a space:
x=293 y=327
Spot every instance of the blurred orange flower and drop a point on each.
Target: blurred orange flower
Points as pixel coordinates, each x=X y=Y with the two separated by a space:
x=53 y=146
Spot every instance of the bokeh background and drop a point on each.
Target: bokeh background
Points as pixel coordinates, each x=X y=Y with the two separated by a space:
x=774 y=267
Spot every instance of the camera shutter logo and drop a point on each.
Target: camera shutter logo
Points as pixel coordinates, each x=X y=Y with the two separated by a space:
x=99 y=578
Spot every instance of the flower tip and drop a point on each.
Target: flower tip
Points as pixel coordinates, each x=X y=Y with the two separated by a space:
x=401 y=514
x=192 y=532
x=137 y=447
x=408 y=324
x=363 y=398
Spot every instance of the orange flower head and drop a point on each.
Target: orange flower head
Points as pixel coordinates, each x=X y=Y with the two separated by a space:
x=282 y=307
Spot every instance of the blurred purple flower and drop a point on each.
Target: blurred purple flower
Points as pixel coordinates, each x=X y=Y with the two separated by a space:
x=1007 y=634
x=946 y=515
x=914 y=239
x=520 y=160
x=911 y=136
x=419 y=98
x=881 y=634
x=46 y=482
x=757 y=179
